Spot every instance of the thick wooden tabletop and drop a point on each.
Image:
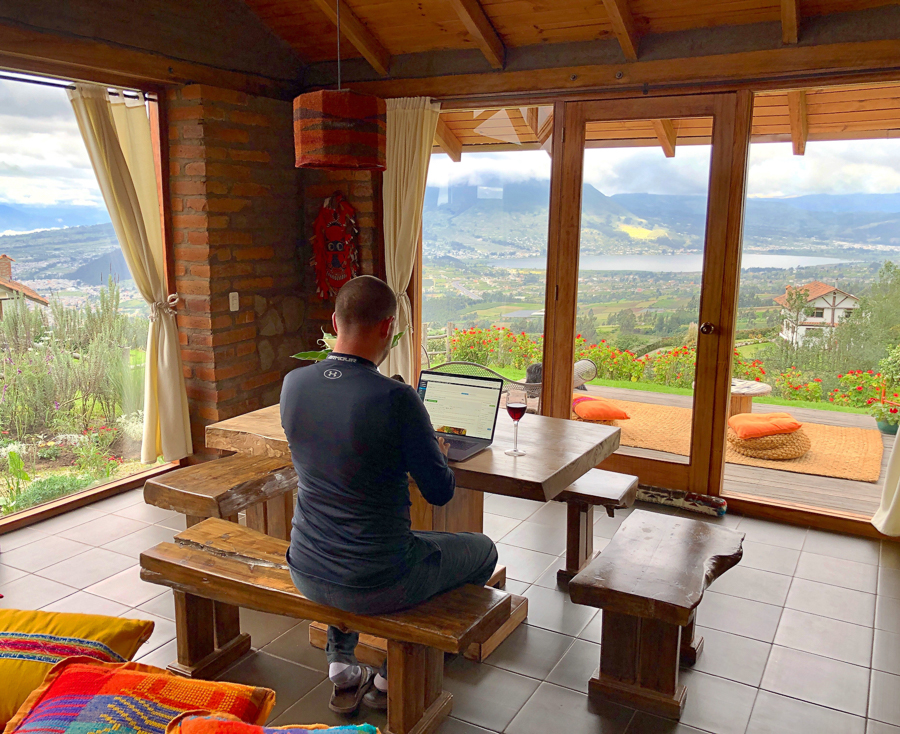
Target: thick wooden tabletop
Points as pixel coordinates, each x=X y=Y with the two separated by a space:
x=557 y=451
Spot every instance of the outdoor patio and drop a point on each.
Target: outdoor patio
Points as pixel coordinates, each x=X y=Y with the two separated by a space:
x=844 y=496
x=789 y=633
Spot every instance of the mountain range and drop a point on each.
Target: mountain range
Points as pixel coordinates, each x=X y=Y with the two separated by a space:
x=28 y=217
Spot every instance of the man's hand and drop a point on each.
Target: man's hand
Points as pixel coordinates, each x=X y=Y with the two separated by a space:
x=444 y=447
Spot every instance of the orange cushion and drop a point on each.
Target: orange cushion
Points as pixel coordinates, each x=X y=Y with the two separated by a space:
x=757 y=425
x=595 y=409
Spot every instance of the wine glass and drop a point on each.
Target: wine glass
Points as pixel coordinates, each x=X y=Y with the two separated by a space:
x=516 y=405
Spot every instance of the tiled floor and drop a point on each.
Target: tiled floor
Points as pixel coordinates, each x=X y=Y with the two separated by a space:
x=802 y=637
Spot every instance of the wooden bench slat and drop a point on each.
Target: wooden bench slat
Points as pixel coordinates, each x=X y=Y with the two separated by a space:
x=657 y=566
x=599 y=487
x=222 y=487
x=247 y=569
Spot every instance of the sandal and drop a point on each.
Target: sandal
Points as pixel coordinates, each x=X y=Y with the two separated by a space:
x=346 y=700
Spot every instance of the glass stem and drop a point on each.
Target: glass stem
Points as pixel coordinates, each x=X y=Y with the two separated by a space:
x=515 y=435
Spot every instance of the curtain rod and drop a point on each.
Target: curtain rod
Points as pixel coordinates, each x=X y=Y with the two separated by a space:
x=63 y=85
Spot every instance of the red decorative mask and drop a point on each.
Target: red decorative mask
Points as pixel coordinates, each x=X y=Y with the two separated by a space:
x=335 y=248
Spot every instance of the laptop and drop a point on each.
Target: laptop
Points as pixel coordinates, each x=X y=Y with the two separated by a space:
x=463 y=410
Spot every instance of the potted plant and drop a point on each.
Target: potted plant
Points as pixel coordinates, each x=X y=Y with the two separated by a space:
x=327 y=343
x=887 y=415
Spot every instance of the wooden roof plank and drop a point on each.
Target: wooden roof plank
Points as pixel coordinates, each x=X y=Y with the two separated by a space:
x=790 y=21
x=665 y=131
x=360 y=36
x=623 y=25
x=448 y=141
x=479 y=26
x=799 y=120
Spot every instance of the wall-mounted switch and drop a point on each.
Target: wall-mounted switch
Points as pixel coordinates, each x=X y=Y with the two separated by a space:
x=234 y=303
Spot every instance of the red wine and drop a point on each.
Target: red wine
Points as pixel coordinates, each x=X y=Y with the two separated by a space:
x=516 y=410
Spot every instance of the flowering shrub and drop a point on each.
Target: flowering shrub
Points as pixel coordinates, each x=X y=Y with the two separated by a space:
x=612 y=363
x=858 y=386
x=93 y=455
x=886 y=413
x=790 y=385
x=495 y=346
x=675 y=367
x=747 y=370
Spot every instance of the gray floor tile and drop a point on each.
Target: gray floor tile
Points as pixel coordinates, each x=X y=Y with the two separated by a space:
x=263 y=628
x=294 y=645
x=18 y=538
x=737 y=658
x=162 y=606
x=51 y=549
x=516 y=587
x=647 y=724
x=890 y=554
x=8 y=573
x=531 y=651
x=767 y=557
x=887 y=614
x=540 y=538
x=83 y=603
x=606 y=526
x=715 y=704
x=178 y=522
x=817 y=680
x=553 y=610
x=594 y=630
x=32 y=592
x=313 y=708
x=837 y=572
x=485 y=695
x=163 y=630
x=290 y=681
x=556 y=709
x=738 y=616
x=861 y=550
x=824 y=636
x=772 y=533
x=133 y=544
x=127 y=588
x=523 y=564
x=68 y=520
x=878 y=727
x=774 y=714
x=886 y=652
x=552 y=514
x=580 y=663
x=146 y=513
x=161 y=656
x=455 y=726
x=515 y=507
x=548 y=578
x=751 y=583
x=119 y=501
x=889 y=582
x=103 y=530
x=884 y=698
x=826 y=600
x=496 y=526
x=87 y=568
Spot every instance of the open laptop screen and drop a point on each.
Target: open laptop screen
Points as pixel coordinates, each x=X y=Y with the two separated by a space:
x=460 y=405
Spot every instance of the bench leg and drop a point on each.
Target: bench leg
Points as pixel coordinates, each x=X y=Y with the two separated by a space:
x=639 y=664
x=272 y=517
x=207 y=640
x=691 y=645
x=579 y=540
x=417 y=703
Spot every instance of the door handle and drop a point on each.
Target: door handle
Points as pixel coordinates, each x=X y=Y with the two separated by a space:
x=707 y=328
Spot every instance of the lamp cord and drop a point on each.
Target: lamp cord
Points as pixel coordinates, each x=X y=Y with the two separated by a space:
x=337 y=11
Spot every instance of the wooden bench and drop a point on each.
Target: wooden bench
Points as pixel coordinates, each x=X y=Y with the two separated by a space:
x=260 y=486
x=597 y=488
x=648 y=581
x=217 y=561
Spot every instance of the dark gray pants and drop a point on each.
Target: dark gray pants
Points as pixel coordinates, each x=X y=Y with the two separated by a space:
x=458 y=559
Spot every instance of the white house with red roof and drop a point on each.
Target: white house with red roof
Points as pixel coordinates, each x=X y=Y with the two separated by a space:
x=10 y=288
x=826 y=307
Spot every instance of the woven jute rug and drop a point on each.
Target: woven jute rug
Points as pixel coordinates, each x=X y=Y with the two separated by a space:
x=843 y=453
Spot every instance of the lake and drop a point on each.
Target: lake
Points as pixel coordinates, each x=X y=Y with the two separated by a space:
x=669 y=263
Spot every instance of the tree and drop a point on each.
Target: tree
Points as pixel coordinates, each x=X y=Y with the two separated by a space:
x=586 y=325
x=626 y=321
x=795 y=310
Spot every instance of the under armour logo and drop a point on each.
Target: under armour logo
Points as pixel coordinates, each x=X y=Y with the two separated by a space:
x=332 y=374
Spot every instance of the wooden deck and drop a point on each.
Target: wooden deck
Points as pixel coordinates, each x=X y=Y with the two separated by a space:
x=751 y=482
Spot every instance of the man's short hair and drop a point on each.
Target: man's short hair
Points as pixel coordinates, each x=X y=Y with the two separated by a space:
x=365 y=301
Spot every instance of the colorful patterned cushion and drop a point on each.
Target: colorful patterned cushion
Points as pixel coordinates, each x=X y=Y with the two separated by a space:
x=33 y=642
x=194 y=723
x=80 y=696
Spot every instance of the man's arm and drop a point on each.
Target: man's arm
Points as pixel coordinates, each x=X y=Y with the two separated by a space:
x=424 y=458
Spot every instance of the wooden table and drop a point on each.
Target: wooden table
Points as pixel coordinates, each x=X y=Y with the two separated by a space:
x=742 y=394
x=557 y=453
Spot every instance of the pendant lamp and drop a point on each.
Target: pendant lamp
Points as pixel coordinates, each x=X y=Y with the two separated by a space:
x=339 y=129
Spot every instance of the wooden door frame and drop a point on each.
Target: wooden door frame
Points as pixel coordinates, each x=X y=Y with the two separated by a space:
x=731 y=113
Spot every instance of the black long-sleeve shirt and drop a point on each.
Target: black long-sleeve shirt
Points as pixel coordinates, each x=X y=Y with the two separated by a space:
x=354 y=434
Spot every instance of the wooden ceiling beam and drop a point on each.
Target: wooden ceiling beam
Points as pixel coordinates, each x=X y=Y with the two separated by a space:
x=447 y=141
x=623 y=26
x=545 y=130
x=799 y=120
x=531 y=116
x=790 y=21
x=359 y=35
x=665 y=131
x=482 y=31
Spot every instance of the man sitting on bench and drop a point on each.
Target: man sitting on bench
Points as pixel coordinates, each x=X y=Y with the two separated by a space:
x=354 y=434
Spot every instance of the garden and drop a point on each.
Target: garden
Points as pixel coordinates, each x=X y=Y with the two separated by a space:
x=71 y=398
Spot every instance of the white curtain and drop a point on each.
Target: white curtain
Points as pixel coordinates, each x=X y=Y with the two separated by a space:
x=117 y=136
x=887 y=519
x=411 y=124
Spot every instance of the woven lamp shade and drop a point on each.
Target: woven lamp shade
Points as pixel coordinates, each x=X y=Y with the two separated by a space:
x=339 y=129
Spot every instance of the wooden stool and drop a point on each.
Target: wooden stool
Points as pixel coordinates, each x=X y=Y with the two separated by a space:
x=597 y=488
x=648 y=581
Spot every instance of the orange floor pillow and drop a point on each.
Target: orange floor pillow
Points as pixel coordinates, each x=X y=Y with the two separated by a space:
x=759 y=425
x=595 y=409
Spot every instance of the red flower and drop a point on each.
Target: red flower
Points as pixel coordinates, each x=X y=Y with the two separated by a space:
x=840 y=376
x=859 y=387
x=757 y=379
x=817 y=380
x=893 y=410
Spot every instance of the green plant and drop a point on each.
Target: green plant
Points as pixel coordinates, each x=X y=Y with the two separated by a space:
x=51 y=487
x=92 y=456
x=15 y=483
x=885 y=413
x=48 y=452
x=890 y=366
x=327 y=341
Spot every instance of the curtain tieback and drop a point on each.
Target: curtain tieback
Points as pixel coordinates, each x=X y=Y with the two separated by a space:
x=166 y=307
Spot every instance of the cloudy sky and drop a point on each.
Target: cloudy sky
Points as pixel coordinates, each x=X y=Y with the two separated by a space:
x=43 y=161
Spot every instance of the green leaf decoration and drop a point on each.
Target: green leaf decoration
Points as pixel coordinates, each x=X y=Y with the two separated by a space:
x=312 y=356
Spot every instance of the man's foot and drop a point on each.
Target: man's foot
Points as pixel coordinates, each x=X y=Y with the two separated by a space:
x=346 y=700
x=376 y=698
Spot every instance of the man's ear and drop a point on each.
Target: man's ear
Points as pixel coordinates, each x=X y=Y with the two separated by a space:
x=386 y=327
x=334 y=322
